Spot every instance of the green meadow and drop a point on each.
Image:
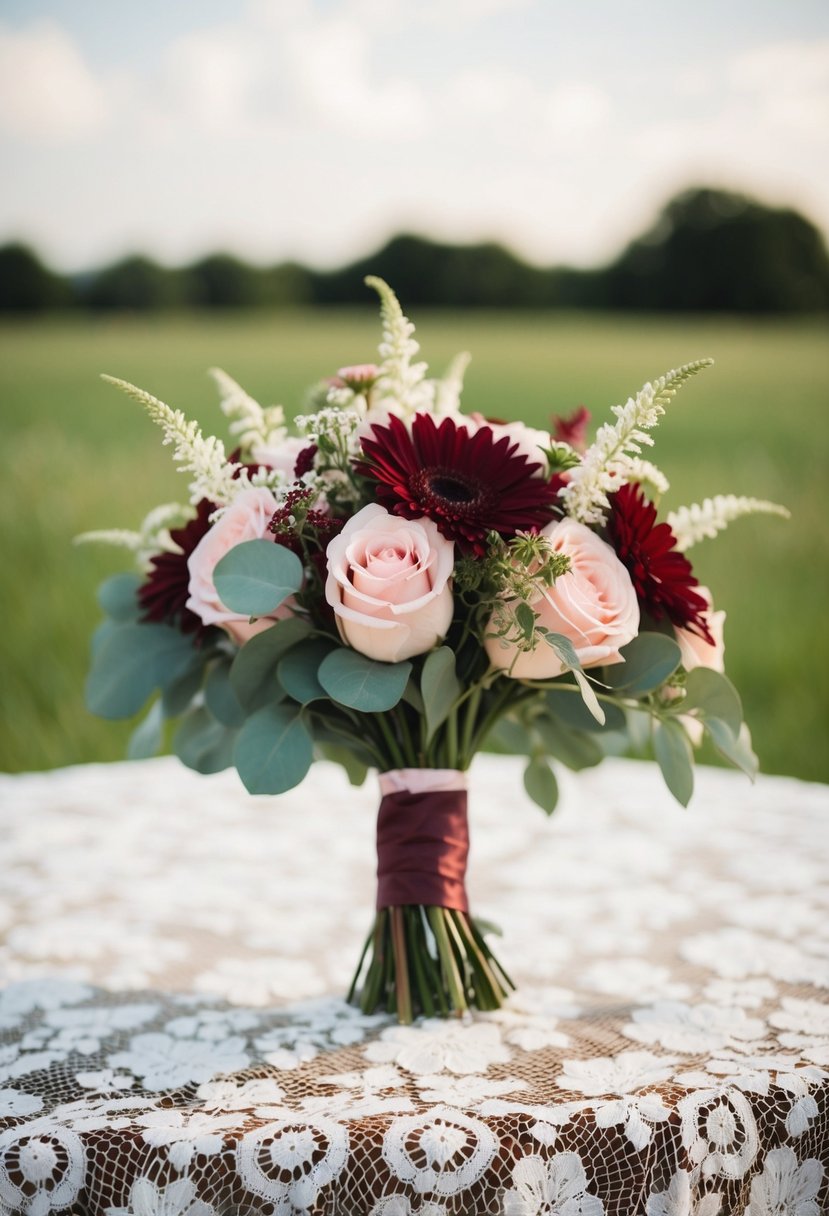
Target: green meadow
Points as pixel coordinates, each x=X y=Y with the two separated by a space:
x=77 y=455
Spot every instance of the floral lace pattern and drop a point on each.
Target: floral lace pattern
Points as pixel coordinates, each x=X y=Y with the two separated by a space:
x=167 y=1047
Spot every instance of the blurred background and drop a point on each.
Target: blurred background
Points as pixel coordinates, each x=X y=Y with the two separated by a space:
x=580 y=196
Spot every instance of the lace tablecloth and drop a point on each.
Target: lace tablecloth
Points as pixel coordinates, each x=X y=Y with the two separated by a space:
x=170 y=1044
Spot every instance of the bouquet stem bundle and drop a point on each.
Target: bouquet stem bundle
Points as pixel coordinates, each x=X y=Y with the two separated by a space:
x=428 y=960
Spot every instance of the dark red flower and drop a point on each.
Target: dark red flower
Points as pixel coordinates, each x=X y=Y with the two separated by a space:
x=573 y=429
x=164 y=594
x=305 y=461
x=662 y=577
x=470 y=484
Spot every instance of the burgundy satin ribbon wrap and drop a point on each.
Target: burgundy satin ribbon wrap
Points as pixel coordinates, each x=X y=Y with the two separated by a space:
x=422 y=839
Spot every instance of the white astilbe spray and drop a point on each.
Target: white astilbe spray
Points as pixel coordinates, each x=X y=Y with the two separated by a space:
x=151 y=538
x=648 y=475
x=705 y=519
x=448 y=389
x=604 y=466
x=401 y=382
x=214 y=476
x=254 y=426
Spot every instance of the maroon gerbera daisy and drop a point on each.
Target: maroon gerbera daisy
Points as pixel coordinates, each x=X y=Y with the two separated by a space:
x=163 y=597
x=662 y=576
x=470 y=484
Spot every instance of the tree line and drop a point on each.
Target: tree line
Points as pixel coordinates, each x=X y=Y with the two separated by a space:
x=708 y=251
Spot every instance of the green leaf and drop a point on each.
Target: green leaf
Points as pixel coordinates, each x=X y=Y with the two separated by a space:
x=130 y=663
x=253 y=673
x=649 y=660
x=100 y=634
x=360 y=683
x=355 y=769
x=541 y=785
x=220 y=695
x=563 y=647
x=273 y=751
x=589 y=698
x=731 y=747
x=178 y=695
x=440 y=688
x=148 y=736
x=572 y=711
x=204 y=744
x=297 y=671
x=577 y=749
x=672 y=749
x=117 y=596
x=714 y=696
x=508 y=738
x=412 y=696
x=256 y=576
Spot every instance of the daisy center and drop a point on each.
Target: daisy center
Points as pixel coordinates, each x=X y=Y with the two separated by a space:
x=452 y=490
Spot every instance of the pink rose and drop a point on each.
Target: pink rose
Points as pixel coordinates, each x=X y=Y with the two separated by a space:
x=247 y=518
x=282 y=458
x=388 y=583
x=594 y=605
x=696 y=652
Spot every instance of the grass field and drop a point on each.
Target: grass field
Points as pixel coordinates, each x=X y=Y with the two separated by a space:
x=77 y=455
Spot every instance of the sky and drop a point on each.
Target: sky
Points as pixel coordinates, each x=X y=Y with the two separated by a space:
x=316 y=129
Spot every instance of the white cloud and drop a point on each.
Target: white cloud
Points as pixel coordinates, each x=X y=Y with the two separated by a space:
x=789 y=83
x=46 y=89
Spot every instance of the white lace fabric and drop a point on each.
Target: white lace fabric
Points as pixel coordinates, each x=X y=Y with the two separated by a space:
x=173 y=1042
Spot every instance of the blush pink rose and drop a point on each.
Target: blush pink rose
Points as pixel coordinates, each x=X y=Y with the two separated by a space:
x=696 y=652
x=282 y=458
x=593 y=605
x=247 y=518
x=388 y=583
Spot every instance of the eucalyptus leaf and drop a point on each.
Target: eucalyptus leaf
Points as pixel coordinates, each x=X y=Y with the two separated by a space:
x=541 y=785
x=147 y=738
x=253 y=673
x=360 y=683
x=649 y=661
x=118 y=596
x=100 y=634
x=355 y=769
x=130 y=663
x=440 y=688
x=220 y=695
x=273 y=750
x=508 y=738
x=297 y=671
x=204 y=744
x=256 y=576
x=572 y=711
x=412 y=696
x=731 y=747
x=577 y=749
x=672 y=749
x=713 y=695
x=178 y=695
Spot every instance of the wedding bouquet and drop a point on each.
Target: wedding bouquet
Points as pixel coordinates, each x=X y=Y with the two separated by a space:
x=397 y=585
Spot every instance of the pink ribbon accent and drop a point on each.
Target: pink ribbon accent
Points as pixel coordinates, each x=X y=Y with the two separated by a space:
x=422 y=839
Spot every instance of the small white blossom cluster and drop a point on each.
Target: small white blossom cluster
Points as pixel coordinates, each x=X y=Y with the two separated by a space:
x=254 y=426
x=336 y=425
x=704 y=520
x=606 y=464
